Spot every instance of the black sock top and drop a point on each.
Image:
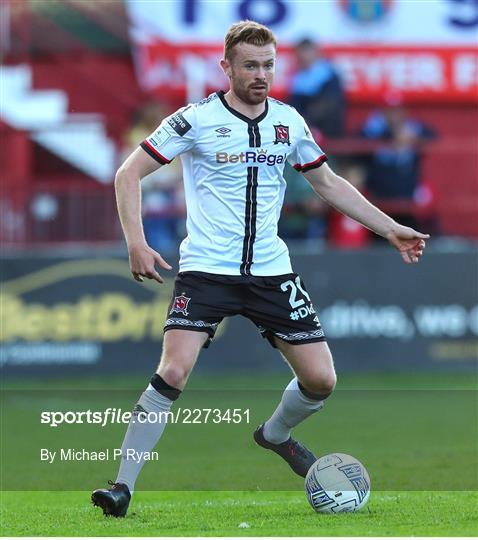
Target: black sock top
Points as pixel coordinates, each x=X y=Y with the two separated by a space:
x=311 y=395
x=161 y=386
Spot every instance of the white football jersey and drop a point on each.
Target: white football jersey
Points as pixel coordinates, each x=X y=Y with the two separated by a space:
x=233 y=181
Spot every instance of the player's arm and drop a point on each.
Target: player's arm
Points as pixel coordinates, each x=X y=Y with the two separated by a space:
x=128 y=198
x=344 y=197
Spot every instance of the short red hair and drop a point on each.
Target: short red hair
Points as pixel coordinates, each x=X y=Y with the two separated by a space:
x=247 y=32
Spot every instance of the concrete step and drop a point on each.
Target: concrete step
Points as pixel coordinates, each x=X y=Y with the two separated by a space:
x=79 y=139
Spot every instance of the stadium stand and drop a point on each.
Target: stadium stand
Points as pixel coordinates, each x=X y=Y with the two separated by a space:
x=70 y=92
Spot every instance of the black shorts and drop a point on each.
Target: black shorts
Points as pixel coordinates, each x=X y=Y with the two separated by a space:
x=279 y=305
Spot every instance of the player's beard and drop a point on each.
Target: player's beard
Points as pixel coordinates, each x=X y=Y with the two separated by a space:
x=247 y=94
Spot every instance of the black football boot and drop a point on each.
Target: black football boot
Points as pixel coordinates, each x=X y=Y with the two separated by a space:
x=114 y=501
x=297 y=456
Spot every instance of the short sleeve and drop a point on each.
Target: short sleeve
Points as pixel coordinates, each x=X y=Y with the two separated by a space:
x=174 y=136
x=307 y=154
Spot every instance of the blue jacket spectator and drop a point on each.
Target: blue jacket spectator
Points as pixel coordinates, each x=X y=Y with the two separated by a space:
x=394 y=171
x=316 y=90
x=395 y=167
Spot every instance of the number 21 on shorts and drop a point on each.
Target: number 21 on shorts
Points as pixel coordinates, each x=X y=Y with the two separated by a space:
x=295 y=286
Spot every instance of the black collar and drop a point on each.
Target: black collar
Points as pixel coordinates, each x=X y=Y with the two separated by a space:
x=250 y=121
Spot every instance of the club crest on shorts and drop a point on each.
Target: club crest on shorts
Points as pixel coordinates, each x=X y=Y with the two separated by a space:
x=282 y=134
x=180 y=304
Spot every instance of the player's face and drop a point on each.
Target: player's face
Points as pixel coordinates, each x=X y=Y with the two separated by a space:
x=251 y=72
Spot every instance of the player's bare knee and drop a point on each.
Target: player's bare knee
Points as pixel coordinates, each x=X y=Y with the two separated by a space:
x=328 y=382
x=174 y=373
x=321 y=384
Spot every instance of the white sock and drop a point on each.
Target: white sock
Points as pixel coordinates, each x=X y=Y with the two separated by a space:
x=142 y=436
x=293 y=408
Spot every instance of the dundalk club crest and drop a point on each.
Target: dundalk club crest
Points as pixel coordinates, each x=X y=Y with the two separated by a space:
x=180 y=304
x=282 y=134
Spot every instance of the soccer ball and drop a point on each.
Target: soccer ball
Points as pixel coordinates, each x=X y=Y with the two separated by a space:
x=337 y=483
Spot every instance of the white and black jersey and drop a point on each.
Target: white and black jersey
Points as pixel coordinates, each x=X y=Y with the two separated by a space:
x=233 y=179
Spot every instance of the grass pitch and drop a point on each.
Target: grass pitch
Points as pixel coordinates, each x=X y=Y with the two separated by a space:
x=224 y=513
x=416 y=434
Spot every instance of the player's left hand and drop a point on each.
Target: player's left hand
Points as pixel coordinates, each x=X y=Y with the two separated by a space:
x=410 y=243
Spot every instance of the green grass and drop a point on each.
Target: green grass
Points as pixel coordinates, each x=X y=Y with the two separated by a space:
x=221 y=513
x=416 y=434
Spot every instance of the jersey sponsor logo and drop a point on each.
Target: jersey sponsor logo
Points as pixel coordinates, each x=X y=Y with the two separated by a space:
x=159 y=137
x=282 y=134
x=180 y=304
x=259 y=156
x=180 y=125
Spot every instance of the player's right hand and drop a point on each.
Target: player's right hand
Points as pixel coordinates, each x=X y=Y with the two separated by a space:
x=143 y=261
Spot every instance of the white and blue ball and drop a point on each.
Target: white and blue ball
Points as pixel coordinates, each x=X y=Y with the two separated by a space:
x=337 y=483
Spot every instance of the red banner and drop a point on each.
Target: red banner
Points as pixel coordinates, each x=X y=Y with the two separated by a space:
x=190 y=71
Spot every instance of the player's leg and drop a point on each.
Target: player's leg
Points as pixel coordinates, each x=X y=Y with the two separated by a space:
x=190 y=325
x=305 y=394
x=180 y=352
x=281 y=307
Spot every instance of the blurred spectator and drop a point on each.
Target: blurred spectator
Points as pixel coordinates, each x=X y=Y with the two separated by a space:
x=162 y=191
x=304 y=214
x=344 y=232
x=391 y=119
x=316 y=90
x=307 y=217
x=395 y=168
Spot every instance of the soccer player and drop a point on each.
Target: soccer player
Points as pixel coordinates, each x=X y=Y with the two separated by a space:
x=233 y=148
